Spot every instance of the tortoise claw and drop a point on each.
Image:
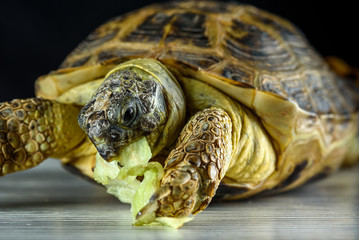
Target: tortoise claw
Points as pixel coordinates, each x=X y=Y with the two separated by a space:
x=148 y=209
x=153 y=205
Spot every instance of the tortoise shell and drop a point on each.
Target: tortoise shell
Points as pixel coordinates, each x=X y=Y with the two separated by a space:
x=239 y=44
x=253 y=56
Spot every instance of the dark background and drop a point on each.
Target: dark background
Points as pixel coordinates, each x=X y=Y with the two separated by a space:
x=35 y=36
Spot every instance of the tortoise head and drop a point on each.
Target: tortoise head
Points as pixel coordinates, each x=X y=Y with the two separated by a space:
x=134 y=101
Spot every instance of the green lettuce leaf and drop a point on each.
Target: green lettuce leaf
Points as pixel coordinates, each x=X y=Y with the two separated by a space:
x=120 y=177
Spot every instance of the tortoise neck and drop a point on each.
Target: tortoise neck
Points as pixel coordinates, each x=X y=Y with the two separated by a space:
x=166 y=134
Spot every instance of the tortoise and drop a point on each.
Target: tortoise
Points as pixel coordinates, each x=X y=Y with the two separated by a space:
x=226 y=96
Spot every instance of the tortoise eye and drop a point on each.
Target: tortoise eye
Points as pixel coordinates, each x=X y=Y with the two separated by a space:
x=129 y=116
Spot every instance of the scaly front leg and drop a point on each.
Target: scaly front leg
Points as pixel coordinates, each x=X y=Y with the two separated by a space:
x=194 y=169
x=33 y=129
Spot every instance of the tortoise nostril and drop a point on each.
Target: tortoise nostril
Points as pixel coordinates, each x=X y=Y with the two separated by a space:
x=103 y=124
x=115 y=134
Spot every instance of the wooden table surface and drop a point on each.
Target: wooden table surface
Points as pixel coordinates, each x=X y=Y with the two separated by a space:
x=49 y=203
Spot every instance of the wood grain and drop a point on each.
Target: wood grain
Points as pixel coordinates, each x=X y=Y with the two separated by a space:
x=49 y=203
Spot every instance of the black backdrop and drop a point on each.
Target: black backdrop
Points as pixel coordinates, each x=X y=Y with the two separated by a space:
x=35 y=36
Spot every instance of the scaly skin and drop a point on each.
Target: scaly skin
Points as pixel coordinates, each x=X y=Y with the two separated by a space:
x=34 y=129
x=194 y=169
x=137 y=98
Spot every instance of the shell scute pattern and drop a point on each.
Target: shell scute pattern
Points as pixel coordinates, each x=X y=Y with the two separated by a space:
x=257 y=47
x=189 y=28
x=201 y=61
x=150 y=30
x=237 y=73
x=240 y=44
x=292 y=37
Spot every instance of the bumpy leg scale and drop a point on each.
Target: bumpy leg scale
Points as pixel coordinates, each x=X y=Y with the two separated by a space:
x=194 y=169
x=32 y=130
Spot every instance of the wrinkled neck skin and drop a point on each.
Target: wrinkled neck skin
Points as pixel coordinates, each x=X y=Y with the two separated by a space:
x=166 y=134
x=138 y=98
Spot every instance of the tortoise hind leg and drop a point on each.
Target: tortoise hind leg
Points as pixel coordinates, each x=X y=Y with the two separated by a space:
x=33 y=129
x=194 y=169
x=351 y=75
x=343 y=69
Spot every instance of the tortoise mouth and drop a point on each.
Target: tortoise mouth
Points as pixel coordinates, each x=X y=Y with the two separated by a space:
x=108 y=138
x=107 y=151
